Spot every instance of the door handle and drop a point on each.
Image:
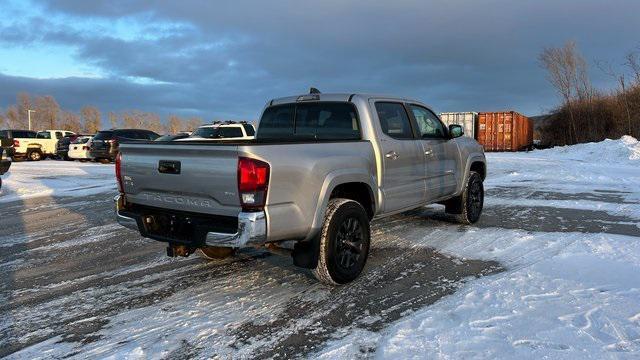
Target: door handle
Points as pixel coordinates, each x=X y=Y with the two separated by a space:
x=428 y=152
x=391 y=155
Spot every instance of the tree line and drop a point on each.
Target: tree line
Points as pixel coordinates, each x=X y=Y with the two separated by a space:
x=47 y=114
x=587 y=114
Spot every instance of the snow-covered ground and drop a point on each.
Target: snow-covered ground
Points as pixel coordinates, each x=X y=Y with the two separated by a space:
x=29 y=179
x=563 y=294
x=562 y=224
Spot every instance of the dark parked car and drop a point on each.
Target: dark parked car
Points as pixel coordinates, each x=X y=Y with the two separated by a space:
x=62 y=146
x=173 y=137
x=105 y=144
x=5 y=163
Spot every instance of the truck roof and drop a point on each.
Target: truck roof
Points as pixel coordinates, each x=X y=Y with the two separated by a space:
x=339 y=97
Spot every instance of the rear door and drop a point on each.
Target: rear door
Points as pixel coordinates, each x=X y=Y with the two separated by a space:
x=190 y=177
x=439 y=152
x=403 y=182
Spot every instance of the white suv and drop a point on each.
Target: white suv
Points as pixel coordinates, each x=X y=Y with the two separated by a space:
x=223 y=132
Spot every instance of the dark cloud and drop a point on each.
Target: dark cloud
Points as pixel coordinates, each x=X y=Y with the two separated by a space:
x=226 y=60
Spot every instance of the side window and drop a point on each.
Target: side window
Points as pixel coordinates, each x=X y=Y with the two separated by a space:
x=429 y=126
x=3 y=134
x=394 y=120
x=58 y=134
x=44 y=135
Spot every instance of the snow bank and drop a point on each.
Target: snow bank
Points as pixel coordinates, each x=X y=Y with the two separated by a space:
x=28 y=179
x=563 y=294
x=627 y=148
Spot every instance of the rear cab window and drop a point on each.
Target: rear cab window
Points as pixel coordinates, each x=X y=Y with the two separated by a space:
x=319 y=121
x=80 y=140
x=230 y=132
x=208 y=132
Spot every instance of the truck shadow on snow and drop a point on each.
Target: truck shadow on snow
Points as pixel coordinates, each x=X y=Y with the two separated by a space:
x=396 y=282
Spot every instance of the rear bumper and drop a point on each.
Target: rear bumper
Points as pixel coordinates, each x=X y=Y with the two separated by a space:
x=251 y=229
x=101 y=154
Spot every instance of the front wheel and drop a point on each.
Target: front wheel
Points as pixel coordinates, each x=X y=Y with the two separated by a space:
x=468 y=206
x=344 y=242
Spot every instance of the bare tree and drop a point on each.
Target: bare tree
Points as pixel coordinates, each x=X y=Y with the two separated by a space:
x=633 y=63
x=113 y=120
x=70 y=121
x=567 y=72
x=175 y=124
x=193 y=123
x=12 y=117
x=91 y=118
x=47 y=112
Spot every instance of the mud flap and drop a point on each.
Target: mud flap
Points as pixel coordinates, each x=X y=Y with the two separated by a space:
x=305 y=253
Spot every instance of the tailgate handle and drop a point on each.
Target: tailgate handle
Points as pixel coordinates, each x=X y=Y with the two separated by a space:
x=169 y=167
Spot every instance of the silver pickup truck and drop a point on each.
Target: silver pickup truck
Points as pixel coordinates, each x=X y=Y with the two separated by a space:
x=321 y=167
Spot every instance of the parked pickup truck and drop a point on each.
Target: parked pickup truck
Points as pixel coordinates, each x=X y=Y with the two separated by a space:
x=321 y=167
x=44 y=144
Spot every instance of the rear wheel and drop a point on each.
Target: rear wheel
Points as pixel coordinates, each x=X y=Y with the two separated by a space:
x=34 y=155
x=215 y=252
x=344 y=242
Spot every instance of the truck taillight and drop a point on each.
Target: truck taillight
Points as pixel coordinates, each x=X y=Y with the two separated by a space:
x=119 y=172
x=253 y=181
x=16 y=143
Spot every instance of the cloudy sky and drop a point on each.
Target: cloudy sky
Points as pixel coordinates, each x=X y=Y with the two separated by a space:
x=225 y=60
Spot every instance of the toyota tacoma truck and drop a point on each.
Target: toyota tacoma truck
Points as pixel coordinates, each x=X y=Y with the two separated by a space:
x=321 y=167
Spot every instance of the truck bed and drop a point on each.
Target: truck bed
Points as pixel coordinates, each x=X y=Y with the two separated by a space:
x=206 y=181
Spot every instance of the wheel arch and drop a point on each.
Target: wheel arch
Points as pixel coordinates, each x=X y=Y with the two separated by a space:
x=352 y=184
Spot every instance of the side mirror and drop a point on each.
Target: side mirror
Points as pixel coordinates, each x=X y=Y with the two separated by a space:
x=455 y=131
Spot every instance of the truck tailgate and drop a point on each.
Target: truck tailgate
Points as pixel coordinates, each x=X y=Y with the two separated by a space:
x=191 y=177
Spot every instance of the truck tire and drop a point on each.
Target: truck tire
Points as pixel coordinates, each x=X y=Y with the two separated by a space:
x=215 y=252
x=34 y=155
x=468 y=206
x=344 y=242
